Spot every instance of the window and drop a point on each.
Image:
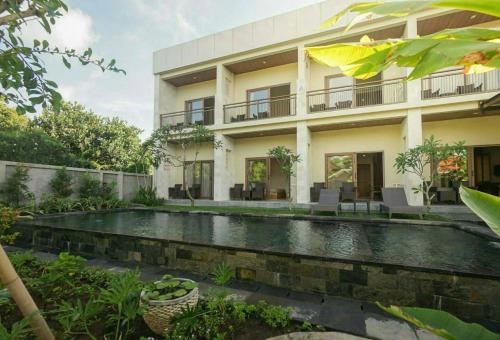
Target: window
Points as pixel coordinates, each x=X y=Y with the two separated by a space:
x=260 y=102
x=270 y=101
x=341 y=94
x=200 y=111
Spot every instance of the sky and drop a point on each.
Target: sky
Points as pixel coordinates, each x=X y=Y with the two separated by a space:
x=129 y=31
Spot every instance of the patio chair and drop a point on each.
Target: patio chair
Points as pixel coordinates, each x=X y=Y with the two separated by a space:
x=347 y=192
x=236 y=192
x=258 y=191
x=175 y=191
x=315 y=190
x=395 y=202
x=328 y=201
x=195 y=190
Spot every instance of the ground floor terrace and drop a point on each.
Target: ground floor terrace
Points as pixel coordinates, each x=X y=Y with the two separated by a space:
x=358 y=155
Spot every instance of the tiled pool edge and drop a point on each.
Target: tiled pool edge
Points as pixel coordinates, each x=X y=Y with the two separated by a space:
x=465 y=295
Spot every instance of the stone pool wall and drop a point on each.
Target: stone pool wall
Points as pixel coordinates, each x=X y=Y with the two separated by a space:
x=466 y=296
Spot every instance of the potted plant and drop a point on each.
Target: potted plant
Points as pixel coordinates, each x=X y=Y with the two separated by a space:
x=165 y=298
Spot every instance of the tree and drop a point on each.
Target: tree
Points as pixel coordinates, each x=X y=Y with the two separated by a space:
x=23 y=70
x=60 y=184
x=185 y=138
x=286 y=160
x=15 y=189
x=476 y=49
x=107 y=143
x=9 y=118
x=423 y=161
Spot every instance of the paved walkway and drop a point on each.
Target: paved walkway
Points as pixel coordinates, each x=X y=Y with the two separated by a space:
x=358 y=318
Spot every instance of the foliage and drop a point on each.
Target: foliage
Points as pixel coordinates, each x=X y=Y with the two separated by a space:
x=122 y=298
x=484 y=205
x=219 y=317
x=441 y=323
x=23 y=70
x=274 y=316
x=9 y=118
x=423 y=161
x=286 y=160
x=32 y=145
x=60 y=184
x=475 y=49
x=7 y=217
x=108 y=143
x=19 y=330
x=90 y=186
x=147 y=195
x=222 y=274
x=15 y=190
x=168 y=288
x=53 y=204
x=185 y=138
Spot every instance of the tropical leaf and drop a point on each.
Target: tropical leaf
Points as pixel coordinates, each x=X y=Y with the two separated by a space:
x=441 y=323
x=475 y=49
x=366 y=10
x=484 y=205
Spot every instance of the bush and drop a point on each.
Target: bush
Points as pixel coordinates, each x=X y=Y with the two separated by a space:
x=147 y=195
x=15 y=190
x=60 y=184
x=90 y=186
x=7 y=217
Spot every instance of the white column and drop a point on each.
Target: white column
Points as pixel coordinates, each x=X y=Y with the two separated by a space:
x=414 y=87
x=165 y=94
x=223 y=172
x=412 y=137
x=303 y=72
x=223 y=93
x=303 y=173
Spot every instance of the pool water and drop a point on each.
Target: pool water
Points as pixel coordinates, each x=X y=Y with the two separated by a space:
x=410 y=245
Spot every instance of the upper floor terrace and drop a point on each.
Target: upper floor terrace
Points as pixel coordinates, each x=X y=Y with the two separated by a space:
x=235 y=79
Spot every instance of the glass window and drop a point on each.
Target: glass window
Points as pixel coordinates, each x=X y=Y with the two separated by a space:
x=342 y=91
x=339 y=169
x=195 y=111
x=259 y=102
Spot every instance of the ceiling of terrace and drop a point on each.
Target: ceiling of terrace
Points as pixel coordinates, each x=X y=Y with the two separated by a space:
x=193 y=77
x=458 y=115
x=452 y=20
x=263 y=62
x=263 y=133
x=365 y=123
x=386 y=33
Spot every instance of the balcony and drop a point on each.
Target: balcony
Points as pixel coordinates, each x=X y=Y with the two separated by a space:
x=456 y=83
x=381 y=92
x=188 y=118
x=260 y=109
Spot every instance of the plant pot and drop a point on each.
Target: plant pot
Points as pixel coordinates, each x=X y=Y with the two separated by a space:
x=157 y=313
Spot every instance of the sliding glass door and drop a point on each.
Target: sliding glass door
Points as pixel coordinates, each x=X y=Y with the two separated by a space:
x=340 y=168
x=201 y=174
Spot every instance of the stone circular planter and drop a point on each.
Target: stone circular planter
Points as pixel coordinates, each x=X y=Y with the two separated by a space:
x=157 y=313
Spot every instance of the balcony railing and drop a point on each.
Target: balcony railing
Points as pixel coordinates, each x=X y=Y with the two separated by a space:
x=186 y=118
x=456 y=83
x=367 y=94
x=260 y=109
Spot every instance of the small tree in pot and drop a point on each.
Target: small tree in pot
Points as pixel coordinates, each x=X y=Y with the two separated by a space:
x=186 y=138
x=425 y=160
x=286 y=159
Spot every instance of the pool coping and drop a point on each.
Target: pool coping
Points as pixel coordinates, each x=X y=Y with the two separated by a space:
x=265 y=251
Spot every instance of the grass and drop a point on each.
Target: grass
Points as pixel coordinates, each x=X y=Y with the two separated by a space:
x=285 y=211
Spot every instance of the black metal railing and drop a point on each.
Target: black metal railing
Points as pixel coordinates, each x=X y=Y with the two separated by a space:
x=456 y=83
x=186 y=118
x=260 y=109
x=383 y=92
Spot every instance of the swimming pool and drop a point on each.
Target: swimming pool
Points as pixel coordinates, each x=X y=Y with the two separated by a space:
x=425 y=246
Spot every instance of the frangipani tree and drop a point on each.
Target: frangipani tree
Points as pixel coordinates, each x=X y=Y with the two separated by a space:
x=287 y=160
x=186 y=139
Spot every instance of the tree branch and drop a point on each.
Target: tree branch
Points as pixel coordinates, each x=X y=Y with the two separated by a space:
x=30 y=12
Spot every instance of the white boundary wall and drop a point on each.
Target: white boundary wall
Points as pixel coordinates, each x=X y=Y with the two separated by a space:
x=40 y=175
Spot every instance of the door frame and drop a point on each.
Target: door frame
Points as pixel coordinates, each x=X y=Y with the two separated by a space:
x=354 y=175
x=211 y=162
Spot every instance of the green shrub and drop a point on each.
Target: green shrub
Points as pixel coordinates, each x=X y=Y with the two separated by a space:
x=147 y=195
x=90 y=186
x=15 y=190
x=222 y=274
x=61 y=183
x=7 y=217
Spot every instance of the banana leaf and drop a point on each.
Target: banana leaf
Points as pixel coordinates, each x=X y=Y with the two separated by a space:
x=484 y=205
x=441 y=323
